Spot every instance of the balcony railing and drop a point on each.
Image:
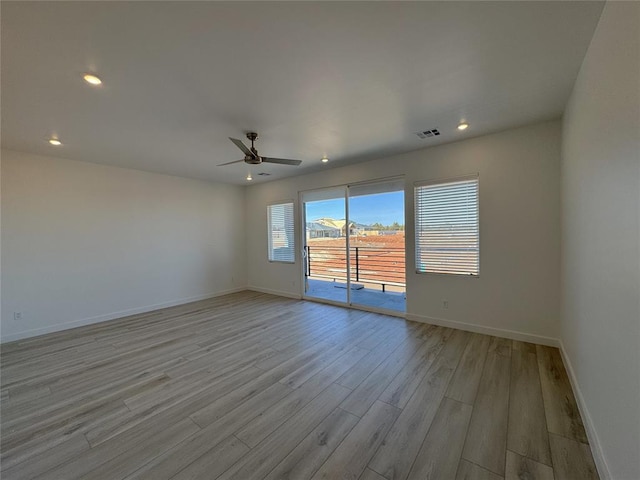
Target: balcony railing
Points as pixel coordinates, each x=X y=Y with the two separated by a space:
x=378 y=265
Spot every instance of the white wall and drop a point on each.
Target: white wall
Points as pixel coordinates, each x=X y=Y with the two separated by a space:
x=600 y=245
x=83 y=242
x=519 y=285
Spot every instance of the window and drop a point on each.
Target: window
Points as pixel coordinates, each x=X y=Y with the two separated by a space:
x=447 y=227
x=281 y=235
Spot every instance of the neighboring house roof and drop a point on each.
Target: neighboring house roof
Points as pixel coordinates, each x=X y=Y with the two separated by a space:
x=320 y=226
x=339 y=224
x=330 y=222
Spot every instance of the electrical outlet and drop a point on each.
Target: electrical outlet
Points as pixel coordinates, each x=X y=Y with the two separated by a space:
x=17 y=315
x=445 y=304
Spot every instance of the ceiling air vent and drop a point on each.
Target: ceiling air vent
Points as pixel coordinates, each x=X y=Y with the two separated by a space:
x=264 y=174
x=428 y=133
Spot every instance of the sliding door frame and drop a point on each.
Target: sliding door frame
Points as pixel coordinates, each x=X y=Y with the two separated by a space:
x=303 y=243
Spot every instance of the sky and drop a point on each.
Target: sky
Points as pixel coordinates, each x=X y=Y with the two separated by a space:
x=384 y=208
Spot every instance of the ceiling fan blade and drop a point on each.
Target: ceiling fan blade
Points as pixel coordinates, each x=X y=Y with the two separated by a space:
x=282 y=161
x=242 y=147
x=229 y=163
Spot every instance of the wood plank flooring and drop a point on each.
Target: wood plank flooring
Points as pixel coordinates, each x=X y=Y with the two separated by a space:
x=252 y=386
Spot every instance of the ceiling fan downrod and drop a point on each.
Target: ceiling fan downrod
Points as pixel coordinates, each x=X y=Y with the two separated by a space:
x=253 y=136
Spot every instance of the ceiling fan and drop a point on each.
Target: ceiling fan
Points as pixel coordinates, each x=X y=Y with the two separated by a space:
x=251 y=154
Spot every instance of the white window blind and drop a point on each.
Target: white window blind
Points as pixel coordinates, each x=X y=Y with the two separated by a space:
x=447 y=227
x=281 y=234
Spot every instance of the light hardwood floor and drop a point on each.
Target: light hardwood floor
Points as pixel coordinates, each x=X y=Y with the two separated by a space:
x=252 y=386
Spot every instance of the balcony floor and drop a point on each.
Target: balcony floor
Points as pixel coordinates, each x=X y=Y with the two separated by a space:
x=371 y=295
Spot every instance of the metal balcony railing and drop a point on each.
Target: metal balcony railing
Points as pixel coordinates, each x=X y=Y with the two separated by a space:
x=378 y=265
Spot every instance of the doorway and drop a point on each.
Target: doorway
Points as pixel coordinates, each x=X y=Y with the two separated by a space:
x=354 y=245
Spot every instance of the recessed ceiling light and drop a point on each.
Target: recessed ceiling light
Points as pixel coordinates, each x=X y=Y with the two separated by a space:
x=92 y=79
x=249 y=177
x=325 y=159
x=55 y=141
x=463 y=126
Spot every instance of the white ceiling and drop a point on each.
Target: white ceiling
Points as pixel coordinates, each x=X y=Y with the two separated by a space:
x=351 y=80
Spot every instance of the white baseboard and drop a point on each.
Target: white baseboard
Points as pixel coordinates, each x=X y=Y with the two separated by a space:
x=496 y=332
x=470 y=327
x=112 y=316
x=594 y=441
x=274 y=292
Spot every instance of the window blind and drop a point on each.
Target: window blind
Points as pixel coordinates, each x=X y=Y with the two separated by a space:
x=447 y=227
x=281 y=234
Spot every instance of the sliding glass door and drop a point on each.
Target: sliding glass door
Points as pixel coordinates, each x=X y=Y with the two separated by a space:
x=325 y=245
x=376 y=245
x=354 y=248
